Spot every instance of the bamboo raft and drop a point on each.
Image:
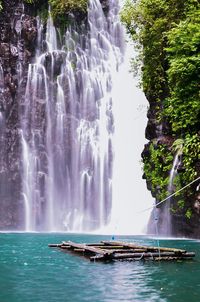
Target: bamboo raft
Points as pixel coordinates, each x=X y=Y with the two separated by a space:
x=118 y=250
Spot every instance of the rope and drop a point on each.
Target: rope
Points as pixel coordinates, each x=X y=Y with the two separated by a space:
x=165 y=199
x=152 y=255
x=157 y=233
x=142 y=256
x=168 y=197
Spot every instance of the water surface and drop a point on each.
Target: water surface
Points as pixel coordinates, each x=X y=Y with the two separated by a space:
x=30 y=272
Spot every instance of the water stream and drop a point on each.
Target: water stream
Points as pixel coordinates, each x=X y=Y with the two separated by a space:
x=166 y=225
x=2 y=120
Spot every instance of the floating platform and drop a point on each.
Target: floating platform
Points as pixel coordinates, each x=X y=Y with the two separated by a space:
x=119 y=250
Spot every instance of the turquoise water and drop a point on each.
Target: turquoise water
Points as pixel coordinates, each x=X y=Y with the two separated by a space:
x=32 y=272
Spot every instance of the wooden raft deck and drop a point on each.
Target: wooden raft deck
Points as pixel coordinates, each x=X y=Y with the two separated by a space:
x=118 y=250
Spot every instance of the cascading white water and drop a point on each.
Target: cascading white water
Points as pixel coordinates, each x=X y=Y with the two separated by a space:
x=77 y=96
x=130 y=196
x=2 y=117
x=173 y=173
x=1 y=79
x=1 y=90
x=165 y=225
x=67 y=125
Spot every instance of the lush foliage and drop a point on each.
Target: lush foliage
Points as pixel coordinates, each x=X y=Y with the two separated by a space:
x=30 y=1
x=148 y=21
x=189 y=149
x=156 y=169
x=183 y=106
x=167 y=32
x=60 y=7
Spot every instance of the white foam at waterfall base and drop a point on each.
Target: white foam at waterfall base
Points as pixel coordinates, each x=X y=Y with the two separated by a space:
x=130 y=195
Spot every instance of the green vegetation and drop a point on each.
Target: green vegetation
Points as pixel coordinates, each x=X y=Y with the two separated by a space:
x=156 y=168
x=184 y=74
x=167 y=34
x=61 y=7
x=30 y=1
x=61 y=10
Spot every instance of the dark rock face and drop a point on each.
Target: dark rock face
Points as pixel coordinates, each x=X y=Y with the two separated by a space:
x=18 y=39
x=18 y=33
x=105 y=5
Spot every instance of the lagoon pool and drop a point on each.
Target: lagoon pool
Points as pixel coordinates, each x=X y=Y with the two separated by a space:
x=30 y=271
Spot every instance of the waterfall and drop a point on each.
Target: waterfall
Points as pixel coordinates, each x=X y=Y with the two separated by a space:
x=1 y=79
x=78 y=119
x=166 y=226
x=2 y=119
x=1 y=91
x=173 y=173
x=129 y=194
x=67 y=124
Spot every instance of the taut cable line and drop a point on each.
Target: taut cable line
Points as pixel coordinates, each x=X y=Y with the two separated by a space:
x=171 y=195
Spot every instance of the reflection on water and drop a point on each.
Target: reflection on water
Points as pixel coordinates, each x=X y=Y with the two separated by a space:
x=30 y=271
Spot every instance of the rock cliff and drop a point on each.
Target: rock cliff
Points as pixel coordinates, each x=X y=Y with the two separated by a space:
x=18 y=40
x=18 y=32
